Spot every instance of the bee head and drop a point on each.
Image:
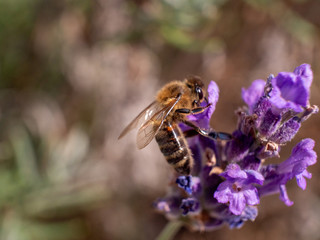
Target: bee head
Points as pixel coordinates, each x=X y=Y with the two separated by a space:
x=196 y=86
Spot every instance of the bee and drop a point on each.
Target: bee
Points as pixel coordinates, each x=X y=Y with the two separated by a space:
x=160 y=120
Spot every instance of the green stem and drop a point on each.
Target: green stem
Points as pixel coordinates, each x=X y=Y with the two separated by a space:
x=170 y=230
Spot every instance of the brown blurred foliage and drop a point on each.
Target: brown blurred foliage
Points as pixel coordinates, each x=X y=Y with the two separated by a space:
x=73 y=73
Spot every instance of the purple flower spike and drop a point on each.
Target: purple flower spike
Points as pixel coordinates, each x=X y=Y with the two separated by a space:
x=229 y=176
x=202 y=119
x=291 y=90
x=238 y=189
x=251 y=95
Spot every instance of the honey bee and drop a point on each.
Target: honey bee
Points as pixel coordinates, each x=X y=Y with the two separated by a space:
x=160 y=120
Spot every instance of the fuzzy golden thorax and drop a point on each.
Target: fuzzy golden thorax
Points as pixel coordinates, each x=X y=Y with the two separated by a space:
x=189 y=96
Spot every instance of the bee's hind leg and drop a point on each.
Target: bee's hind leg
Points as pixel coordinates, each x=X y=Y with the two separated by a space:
x=190 y=133
x=210 y=134
x=220 y=135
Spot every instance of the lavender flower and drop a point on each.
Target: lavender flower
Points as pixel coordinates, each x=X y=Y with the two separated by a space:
x=281 y=107
x=237 y=221
x=184 y=182
x=291 y=90
x=189 y=184
x=276 y=176
x=253 y=93
x=228 y=179
x=190 y=205
x=238 y=189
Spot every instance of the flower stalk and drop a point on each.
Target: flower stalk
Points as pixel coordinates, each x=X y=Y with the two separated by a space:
x=170 y=230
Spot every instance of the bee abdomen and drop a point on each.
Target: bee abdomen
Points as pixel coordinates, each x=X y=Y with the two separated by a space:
x=175 y=148
x=171 y=147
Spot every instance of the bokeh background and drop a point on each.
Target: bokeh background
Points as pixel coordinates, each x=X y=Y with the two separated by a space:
x=73 y=73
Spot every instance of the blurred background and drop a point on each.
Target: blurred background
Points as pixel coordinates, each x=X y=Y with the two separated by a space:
x=73 y=73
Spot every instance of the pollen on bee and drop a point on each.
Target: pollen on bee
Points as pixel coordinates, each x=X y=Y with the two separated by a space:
x=169 y=128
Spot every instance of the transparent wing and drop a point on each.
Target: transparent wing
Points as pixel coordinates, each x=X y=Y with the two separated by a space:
x=143 y=117
x=150 y=128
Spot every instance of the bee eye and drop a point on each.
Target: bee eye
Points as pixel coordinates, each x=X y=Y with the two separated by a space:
x=199 y=92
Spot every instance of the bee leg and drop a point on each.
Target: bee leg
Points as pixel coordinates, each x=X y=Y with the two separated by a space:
x=192 y=111
x=220 y=135
x=196 y=103
x=211 y=134
x=199 y=109
x=190 y=133
x=196 y=128
x=183 y=110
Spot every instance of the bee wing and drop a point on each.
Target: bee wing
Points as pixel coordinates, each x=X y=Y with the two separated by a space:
x=151 y=127
x=143 y=117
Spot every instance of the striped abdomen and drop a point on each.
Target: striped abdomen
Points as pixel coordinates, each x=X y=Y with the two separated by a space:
x=175 y=148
